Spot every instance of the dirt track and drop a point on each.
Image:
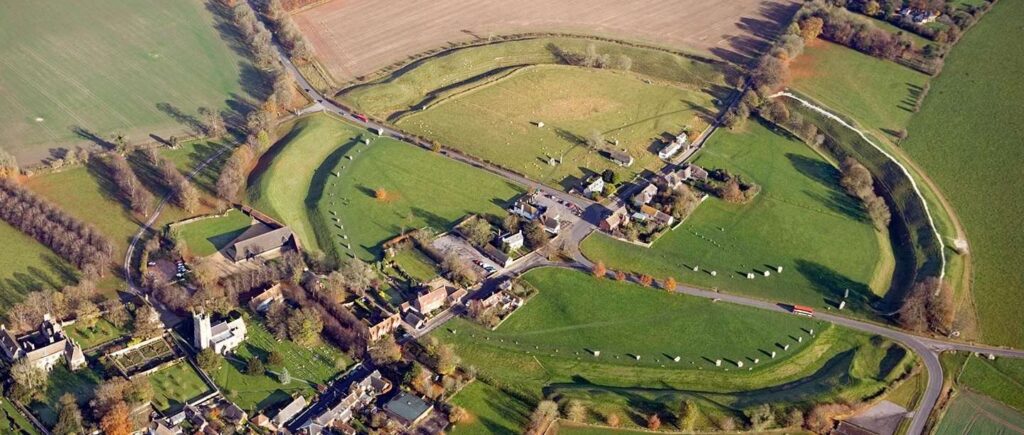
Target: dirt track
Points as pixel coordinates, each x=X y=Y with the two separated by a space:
x=356 y=37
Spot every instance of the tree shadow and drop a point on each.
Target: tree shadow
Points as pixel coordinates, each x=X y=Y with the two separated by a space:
x=92 y=136
x=832 y=286
x=194 y=125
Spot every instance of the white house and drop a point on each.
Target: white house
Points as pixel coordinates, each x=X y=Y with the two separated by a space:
x=512 y=242
x=223 y=337
x=595 y=187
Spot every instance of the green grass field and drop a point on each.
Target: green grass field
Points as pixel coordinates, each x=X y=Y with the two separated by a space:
x=207 y=236
x=495 y=122
x=188 y=156
x=27 y=266
x=176 y=385
x=974 y=413
x=103 y=332
x=307 y=368
x=878 y=93
x=966 y=137
x=442 y=75
x=1002 y=379
x=492 y=411
x=797 y=221
x=416 y=264
x=107 y=67
x=424 y=189
x=543 y=350
x=12 y=422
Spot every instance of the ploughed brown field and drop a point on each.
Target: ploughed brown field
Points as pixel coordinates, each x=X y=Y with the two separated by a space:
x=356 y=37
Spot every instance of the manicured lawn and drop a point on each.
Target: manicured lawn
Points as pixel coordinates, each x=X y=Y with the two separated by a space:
x=495 y=122
x=106 y=67
x=12 y=422
x=416 y=264
x=424 y=189
x=207 y=236
x=103 y=332
x=467 y=67
x=81 y=383
x=307 y=368
x=802 y=220
x=877 y=93
x=545 y=350
x=27 y=266
x=176 y=385
x=974 y=413
x=969 y=124
x=491 y=410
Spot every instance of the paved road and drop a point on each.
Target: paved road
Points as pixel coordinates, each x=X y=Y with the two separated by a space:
x=926 y=348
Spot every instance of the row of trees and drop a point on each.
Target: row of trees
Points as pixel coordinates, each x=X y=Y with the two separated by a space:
x=76 y=301
x=129 y=186
x=183 y=193
x=340 y=326
x=857 y=181
x=287 y=31
x=75 y=241
x=929 y=307
x=233 y=174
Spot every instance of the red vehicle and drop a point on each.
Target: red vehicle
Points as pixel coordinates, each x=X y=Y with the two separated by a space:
x=801 y=310
x=361 y=117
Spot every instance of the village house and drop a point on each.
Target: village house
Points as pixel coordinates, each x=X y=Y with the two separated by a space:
x=223 y=337
x=646 y=195
x=621 y=158
x=650 y=213
x=407 y=409
x=360 y=394
x=262 y=302
x=434 y=296
x=920 y=16
x=594 y=187
x=497 y=255
x=43 y=348
x=524 y=208
x=233 y=415
x=694 y=172
x=673 y=147
x=618 y=217
x=512 y=242
x=289 y=411
x=552 y=222
x=379 y=327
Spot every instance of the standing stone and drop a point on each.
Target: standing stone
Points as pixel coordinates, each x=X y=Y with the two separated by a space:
x=750 y=275
x=773 y=354
x=800 y=339
x=696 y=268
x=714 y=273
x=637 y=357
x=778 y=269
x=757 y=360
x=785 y=347
x=812 y=331
x=718 y=363
x=842 y=304
x=676 y=359
x=767 y=273
x=739 y=364
x=597 y=353
x=992 y=357
x=846 y=293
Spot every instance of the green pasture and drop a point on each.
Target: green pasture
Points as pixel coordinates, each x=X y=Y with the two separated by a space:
x=307 y=367
x=967 y=137
x=443 y=75
x=76 y=73
x=207 y=236
x=545 y=350
x=802 y=220
x=497 y=122
x=424 y=189
x=1002 y=379
x=877 y=93
x=27 y=266
x=189 y=155
x=491 y=410
x=176 y=385
x=971 y=413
